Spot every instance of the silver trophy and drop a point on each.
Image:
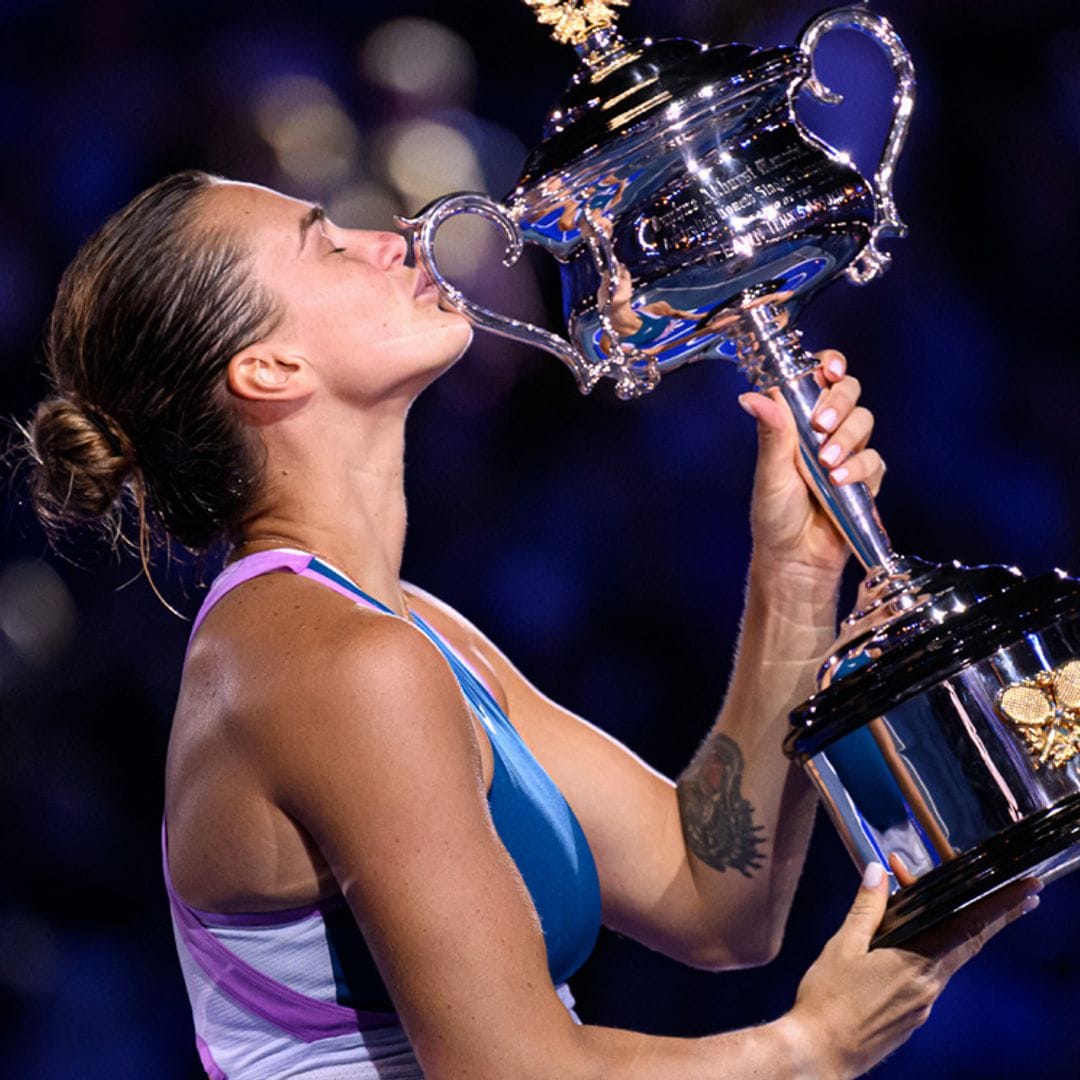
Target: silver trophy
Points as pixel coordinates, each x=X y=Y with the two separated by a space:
x=694 y=216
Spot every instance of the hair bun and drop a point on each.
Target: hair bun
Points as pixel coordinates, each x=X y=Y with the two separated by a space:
x=82 y=459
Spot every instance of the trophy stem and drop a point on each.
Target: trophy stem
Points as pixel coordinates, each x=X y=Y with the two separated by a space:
x=770 y=355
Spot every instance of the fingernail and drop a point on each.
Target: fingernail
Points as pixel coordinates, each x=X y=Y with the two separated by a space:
x=836 y=367
x=1030 y=904
x=839 y=475
x=873 y=875
x=831 y=454
x=827 y=420
x=744 y=404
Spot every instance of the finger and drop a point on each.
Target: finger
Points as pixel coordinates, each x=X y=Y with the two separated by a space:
x=851 y=436
x=899 y=870
x=835 y=404
x=956 y=940
x=868 y=909
x=777 y=441
x=765 y=409
x=865 y=467
x=832 y=367
x=775 y=425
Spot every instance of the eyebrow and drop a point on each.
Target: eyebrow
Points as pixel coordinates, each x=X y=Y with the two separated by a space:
x=316 y=213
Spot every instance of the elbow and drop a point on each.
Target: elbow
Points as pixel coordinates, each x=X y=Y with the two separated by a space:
x=758 y=954
x=760 y=948
x=734 y=952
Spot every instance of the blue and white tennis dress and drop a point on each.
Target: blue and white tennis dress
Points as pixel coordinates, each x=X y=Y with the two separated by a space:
x=296 y=993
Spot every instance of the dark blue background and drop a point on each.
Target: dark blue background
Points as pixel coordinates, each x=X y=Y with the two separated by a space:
x=602 y=544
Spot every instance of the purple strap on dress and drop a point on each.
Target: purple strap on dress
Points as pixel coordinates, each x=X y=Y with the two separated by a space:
x=265 y=562
x=298 y=1015
x=281 y=917
x=299 y=562
x=210 y=1066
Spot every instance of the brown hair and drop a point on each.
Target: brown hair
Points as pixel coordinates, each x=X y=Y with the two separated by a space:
x=146 y=319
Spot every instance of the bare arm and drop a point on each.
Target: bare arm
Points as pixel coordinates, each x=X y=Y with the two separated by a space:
x=362 y=738
x=746 y=812
x=373 y=752
x=702 y=872
x=706 y=872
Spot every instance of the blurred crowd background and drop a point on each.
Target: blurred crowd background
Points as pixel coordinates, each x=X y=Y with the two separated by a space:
x=602 y=544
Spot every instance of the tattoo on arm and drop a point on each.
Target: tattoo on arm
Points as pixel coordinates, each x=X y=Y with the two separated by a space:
x=717 y=821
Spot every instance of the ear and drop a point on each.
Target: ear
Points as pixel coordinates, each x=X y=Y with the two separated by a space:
x=262 y=373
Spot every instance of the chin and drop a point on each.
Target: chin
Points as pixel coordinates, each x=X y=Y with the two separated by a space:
x=454 y=340
x=459 y=335
x=466 y=341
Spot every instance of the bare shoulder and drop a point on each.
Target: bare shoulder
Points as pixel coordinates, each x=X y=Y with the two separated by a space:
x=441 y=615
x=540 y=721
x=298 y=713
x=470 y=642
x=282 y=652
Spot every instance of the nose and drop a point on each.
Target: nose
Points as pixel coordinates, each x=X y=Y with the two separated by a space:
x=389 y=249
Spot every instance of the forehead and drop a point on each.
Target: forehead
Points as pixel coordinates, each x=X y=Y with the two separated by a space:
x=251 y=209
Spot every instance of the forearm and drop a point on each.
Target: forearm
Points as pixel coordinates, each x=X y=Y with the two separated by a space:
x=775 y=1050
x=746 y=812
x=772 y=1050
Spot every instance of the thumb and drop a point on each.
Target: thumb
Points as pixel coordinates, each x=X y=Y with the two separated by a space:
x=776 y=431
x=869 y=908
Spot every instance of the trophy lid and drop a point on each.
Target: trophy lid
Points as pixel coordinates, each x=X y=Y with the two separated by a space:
x=623 y=85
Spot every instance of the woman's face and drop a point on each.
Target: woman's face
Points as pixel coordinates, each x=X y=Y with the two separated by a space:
x=368 y=325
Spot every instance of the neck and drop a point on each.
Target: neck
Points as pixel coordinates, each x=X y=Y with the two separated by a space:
x=338 y=493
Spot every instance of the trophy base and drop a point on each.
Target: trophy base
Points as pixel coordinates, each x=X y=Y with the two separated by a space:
x=1046 y=846
x=945 y=742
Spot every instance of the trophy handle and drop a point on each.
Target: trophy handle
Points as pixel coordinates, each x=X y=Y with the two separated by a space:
x=423 y=228
x=871 y=262
x=635 y=372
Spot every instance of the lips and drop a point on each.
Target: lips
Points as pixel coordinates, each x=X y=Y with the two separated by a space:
x=423 y=282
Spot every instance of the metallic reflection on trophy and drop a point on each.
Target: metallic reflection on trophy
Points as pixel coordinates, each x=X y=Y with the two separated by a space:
x=694 y=216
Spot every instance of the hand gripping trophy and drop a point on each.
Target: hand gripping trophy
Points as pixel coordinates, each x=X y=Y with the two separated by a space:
x=694 y=216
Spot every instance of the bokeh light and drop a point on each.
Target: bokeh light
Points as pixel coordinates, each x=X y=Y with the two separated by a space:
x=37 y=614
x=364 y=205
x=425 y=159
x=303 y=120
x=420 y=58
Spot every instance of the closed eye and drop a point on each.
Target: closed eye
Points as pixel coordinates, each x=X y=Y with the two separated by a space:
x=337 y=251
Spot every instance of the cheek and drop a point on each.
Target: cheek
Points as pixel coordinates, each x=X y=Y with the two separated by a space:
x=369 y=306
x=343 y=321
